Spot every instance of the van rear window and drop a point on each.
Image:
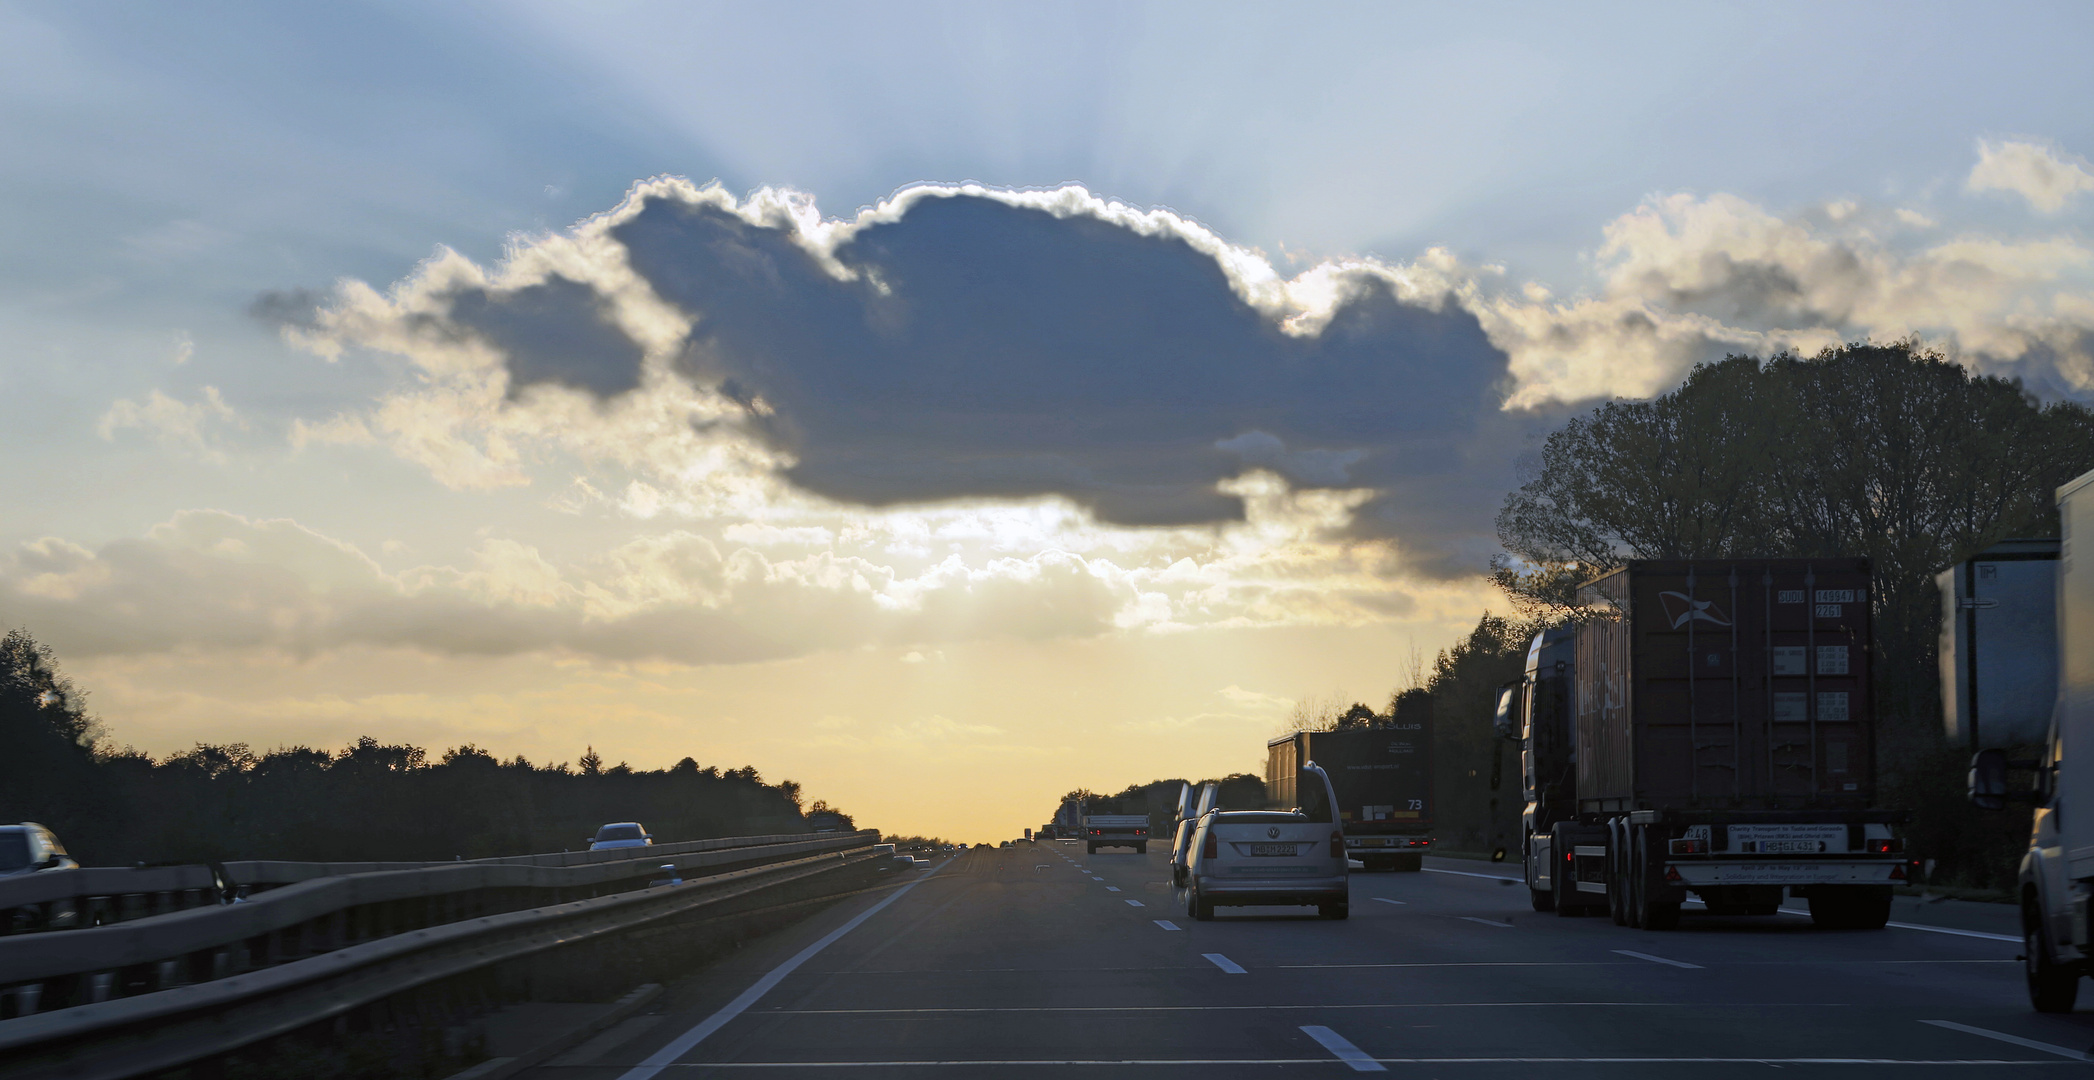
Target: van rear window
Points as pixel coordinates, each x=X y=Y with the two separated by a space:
x=14 y=850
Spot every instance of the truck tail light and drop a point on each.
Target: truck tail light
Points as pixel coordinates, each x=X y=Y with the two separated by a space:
x=1097 y=832
x=1211 y=849
x=1883 y=846
x=1690 y=847
x=1141 y=832
x=1337 y=845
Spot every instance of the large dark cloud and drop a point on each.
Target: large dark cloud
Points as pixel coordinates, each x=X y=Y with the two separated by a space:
x=988 y=349
x=977 y=348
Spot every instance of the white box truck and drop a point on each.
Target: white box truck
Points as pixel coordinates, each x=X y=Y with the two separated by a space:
x=2056 y=876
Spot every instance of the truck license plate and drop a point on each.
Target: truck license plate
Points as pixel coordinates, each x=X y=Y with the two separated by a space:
x=1786 y=847
x=1272 y=849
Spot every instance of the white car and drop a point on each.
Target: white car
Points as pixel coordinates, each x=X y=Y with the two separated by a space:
x=1271 y=857
x=620 y=834
x=28 y=848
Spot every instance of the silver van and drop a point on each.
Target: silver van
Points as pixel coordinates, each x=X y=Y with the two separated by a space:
x=1261 y=857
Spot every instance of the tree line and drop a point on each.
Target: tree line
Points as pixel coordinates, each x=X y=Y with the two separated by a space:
x=113 y=805
x=1890 y=452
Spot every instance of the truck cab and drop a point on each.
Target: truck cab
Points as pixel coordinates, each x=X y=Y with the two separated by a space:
x=1539 y=710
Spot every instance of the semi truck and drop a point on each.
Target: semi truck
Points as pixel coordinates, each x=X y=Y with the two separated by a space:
x=2056 y=875
x=1705 y=727
x=1382 y=776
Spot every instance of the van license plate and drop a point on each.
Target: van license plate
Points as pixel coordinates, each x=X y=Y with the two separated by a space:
x=1272 y=849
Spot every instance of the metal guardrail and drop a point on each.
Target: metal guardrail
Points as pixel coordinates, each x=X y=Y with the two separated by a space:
x=95 y=896
x=169 y=1026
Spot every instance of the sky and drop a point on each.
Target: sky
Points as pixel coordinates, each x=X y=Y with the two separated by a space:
x=943 y=406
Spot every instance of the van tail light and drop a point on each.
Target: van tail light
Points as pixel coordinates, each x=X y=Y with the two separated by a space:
x=1212 y=848
x=1883 y=846
x=1337 y=845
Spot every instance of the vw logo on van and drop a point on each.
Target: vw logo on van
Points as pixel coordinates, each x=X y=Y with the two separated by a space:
x=1273 y=833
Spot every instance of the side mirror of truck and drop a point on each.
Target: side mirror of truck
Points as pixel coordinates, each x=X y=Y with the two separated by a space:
x=1988 y=780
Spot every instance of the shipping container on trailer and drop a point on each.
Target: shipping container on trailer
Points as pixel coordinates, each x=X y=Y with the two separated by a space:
x=1725 y=742
x=1383 y=779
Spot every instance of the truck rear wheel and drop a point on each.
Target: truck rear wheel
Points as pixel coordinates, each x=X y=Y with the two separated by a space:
x=1617 y=880
x=2053 y=987
x=1542 y=899
x=1338 y=910
x=1141 y=849
x=1651 y=913
x=1412 y=863
x=1090 y=849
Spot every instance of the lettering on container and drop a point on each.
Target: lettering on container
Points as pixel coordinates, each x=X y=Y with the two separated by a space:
x=1839 y=596
x=1788 y=596
x=1791 y=708
x=1836 y=757
x=1832 y=659
x=1830 y=611
x=1832 y=706
x=1788 y=660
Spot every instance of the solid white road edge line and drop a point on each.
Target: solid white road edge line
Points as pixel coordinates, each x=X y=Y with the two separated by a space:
x=1224 y=963
x=1656 y=959
x=1465 y=873
x=684 y=1043
x=979 y=1063
x=1340 y=1046
x=1980 y=934
x=2006 y=1038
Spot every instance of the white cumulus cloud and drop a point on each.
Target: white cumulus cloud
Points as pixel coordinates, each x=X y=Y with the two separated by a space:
x=2041 y=174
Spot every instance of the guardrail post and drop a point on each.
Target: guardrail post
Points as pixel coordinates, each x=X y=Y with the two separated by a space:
x=101 y=986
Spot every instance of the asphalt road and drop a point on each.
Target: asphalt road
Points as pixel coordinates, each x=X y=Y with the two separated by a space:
x=1041 y=961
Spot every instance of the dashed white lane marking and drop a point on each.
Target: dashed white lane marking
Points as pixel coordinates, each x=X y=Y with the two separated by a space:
x=1224 y=963
x=1136 y=903
x=1465 y=873
x=2017 y=1040
x=684 y=1043
x=1486 y=922
x=1656 y=959
x=1340 y=1046
x=1167 y=924
x=1112 y=888
x=1386 y=900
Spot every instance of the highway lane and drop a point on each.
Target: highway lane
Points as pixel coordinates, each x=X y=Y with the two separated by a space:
x=1042 y=960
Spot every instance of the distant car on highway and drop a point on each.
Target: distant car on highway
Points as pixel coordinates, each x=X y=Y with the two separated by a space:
x=620 y=834
x=1278 y=857
x=28 y=848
